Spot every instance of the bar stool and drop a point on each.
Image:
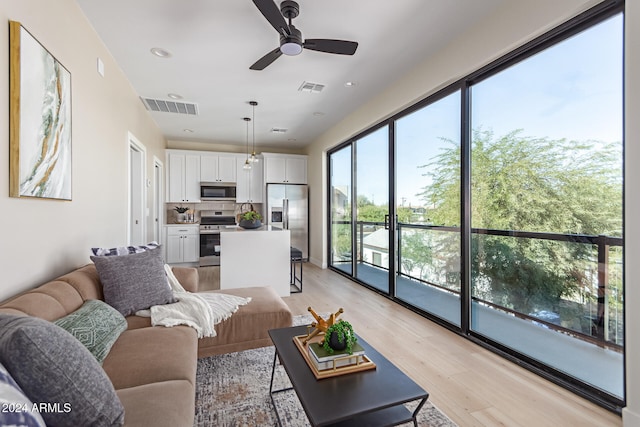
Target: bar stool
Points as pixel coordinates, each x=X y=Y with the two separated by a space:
x=295 y=272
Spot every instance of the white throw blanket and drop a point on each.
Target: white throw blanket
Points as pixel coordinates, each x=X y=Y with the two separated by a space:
x=199 y=311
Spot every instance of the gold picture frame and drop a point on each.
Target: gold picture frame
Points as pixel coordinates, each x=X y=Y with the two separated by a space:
x=40 y=120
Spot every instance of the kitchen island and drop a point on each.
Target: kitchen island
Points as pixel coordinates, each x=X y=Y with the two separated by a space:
x=258 y=257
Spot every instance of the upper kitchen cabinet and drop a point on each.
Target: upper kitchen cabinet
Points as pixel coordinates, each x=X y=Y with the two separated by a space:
x=183 y=177
x=218 y=168
x=285 y=168
x=250 y=185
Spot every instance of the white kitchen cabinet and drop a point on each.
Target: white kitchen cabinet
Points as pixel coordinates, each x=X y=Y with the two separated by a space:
x=183 y=177
x=250 y=184
x=285 y=168
x=218 y=168
x=183 y=244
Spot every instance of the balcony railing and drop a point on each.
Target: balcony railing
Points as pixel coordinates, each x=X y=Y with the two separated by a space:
x=600 y=325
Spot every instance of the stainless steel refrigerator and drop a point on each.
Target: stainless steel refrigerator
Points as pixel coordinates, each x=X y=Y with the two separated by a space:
x=288 y=208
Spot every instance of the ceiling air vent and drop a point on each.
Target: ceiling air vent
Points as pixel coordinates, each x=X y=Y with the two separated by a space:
x=170 y=106
x=311 y=87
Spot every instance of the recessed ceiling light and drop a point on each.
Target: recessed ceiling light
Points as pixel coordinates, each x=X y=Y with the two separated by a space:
x=318 y=113
x=160 y=52
x=350 y=84
x=174 y=96
x=187 y=130
x=292 y=140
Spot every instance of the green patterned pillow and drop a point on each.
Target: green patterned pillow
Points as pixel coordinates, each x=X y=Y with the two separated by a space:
x=96 y=325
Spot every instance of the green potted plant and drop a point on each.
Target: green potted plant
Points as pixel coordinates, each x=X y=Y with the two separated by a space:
x=339 y=336
x=250 y=219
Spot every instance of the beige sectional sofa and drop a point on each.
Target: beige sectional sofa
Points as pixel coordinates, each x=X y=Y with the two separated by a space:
x=153 y=369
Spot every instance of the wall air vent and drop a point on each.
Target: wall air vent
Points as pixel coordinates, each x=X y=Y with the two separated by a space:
x=170 y=106
x=311 y=87
x=279 y=130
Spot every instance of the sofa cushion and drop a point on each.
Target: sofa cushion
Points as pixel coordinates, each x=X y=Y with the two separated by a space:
x=248 y=327
x=17 y=409
x=53 y=367
x=134 y=282
x=148 y=355
x=96 y=325
x=166 y=403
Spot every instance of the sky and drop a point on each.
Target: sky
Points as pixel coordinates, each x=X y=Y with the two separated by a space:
x=572 y=90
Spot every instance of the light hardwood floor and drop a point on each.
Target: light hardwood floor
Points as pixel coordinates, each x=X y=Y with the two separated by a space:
x=473 y=386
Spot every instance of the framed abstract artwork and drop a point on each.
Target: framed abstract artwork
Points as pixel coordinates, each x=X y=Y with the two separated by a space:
x=40 y=120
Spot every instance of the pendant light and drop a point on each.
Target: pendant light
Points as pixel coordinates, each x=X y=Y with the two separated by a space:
x=253 y=158
x=247 y=163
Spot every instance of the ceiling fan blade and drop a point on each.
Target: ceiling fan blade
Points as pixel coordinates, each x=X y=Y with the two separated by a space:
x=270 y=11
x=266 y=60
x=341 y=47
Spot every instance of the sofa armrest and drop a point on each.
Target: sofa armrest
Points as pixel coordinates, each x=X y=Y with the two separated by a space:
x=188 y=277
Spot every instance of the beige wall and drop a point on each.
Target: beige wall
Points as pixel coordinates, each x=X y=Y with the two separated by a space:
x=41 y=239
x=516 y=24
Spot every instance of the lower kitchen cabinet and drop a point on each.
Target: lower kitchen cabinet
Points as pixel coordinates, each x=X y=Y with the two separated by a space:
x=183 y=244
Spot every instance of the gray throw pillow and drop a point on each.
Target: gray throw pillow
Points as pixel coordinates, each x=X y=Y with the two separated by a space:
x=134 y=282
x=96 y=325
x=55 y=370
x=17 y=409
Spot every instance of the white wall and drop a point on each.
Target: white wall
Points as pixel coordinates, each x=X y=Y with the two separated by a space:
x=41 y=239
x=518 y=22
x=631 y=414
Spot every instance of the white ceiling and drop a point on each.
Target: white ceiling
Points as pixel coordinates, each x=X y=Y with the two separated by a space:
x=214 y=42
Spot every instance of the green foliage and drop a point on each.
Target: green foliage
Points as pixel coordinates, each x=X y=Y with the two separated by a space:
x=344 y=331
x=529 y=184
x=251 y=216
x=180 y=209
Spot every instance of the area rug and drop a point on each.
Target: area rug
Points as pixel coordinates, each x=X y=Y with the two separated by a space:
x=232 y=390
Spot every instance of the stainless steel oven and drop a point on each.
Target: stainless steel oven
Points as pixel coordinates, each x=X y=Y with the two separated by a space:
x=210 y=227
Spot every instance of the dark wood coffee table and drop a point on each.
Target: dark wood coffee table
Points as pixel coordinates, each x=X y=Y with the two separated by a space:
x=369 y=398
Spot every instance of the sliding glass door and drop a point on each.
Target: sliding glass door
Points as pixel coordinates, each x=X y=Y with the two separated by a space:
x=546 y=191
x=341 y=219
x=428 y=208
x=371 y=227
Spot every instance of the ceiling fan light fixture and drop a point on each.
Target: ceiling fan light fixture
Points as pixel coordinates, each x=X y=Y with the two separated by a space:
x=291 y=48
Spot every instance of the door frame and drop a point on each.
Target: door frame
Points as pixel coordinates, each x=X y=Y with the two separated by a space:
x=134 y=144
x=158 y=199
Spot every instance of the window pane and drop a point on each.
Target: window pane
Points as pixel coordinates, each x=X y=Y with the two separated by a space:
x=340 y=169
x=372 y=204
x=428 y=208
x=546 y=190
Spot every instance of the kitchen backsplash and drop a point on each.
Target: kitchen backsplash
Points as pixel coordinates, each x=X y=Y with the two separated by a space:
x=228 y=208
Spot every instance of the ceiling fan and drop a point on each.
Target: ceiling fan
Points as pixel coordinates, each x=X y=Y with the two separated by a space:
x=291 y=42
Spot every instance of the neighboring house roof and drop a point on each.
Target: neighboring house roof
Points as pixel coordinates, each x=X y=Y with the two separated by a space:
x=378 y=239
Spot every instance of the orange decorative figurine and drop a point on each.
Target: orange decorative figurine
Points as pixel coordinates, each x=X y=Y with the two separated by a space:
x=321 y=325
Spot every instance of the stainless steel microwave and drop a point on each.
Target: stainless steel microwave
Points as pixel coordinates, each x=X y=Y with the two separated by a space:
x=217 y=191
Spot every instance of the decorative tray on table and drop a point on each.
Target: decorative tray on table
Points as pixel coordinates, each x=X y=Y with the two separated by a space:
x=326 y=366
